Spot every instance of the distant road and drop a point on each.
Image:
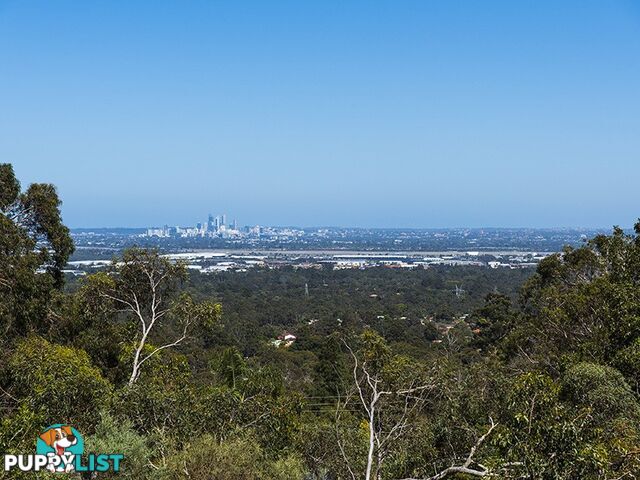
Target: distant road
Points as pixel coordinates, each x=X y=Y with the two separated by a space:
x=368 y=253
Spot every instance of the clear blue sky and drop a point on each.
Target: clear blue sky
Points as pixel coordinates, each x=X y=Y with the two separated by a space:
x=365 y=113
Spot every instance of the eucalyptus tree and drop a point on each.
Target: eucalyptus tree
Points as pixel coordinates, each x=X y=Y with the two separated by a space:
x=144 y=286
x=34 y=248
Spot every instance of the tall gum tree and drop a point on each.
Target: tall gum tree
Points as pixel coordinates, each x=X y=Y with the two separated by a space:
x=145 y=286
x=34 y=248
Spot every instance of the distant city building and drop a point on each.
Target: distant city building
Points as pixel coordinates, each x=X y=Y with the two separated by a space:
x=214 y=227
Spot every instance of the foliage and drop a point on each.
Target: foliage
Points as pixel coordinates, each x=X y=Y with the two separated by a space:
x=117 y=435
x=235 y=459
x=34 y=248
x=602 y=389
x=57 y=383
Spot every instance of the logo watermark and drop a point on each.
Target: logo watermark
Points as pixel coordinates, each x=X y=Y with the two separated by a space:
x=60 y=448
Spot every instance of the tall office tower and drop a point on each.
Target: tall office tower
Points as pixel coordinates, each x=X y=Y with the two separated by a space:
x=217 y=223
x=210 y=224
x=224 y=219
x=234 y=225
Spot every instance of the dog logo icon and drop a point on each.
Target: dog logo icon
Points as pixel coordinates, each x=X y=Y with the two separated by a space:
x=60 y=448
x=62 y=441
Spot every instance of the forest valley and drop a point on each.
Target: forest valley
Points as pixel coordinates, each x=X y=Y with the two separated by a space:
x=520 y=374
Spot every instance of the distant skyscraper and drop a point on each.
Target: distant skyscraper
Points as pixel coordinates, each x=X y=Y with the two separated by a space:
x=218 y=222
x=224 y=219
x=210 y=223
x=234 y=225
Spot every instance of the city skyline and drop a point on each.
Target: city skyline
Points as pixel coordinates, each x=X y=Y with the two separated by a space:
x=213 y=222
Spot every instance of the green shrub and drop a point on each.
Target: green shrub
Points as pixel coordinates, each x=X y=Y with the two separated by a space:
x=234 y=459
x=59 y=383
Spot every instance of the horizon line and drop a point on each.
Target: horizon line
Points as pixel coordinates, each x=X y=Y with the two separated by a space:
x=336 y=227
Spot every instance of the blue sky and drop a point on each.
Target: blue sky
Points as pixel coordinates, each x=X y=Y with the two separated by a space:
x=363 y=113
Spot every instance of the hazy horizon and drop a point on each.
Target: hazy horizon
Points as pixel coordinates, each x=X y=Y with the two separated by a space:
x=361 y=227
x=370 y=114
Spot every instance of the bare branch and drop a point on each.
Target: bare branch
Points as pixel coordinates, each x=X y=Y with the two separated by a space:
x=368 y=386
x=168 y=345
x=466 y=466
